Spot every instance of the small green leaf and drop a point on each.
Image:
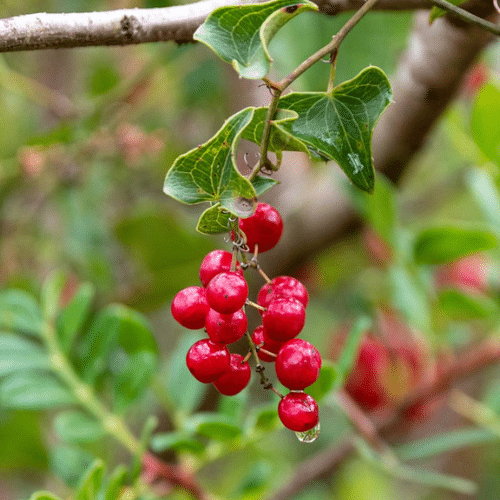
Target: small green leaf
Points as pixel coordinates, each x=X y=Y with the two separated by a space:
x=115 y=483
x=44 y=495
x=350 y=350
x=18 y=354
x=264 y=419
x=214 y=426
x=239 y=34
x=440 y=245
x=460 y=305
x=134 y=330
x=178 y=441
x=281 y=139
x=214 y=220
x=487 y=196
x=70 y=463
x=338 y=125
x=261 y=184
x=209 y=173
x=71 y=319
x=185 y=391
x=436 y=12
x=133 y=378
x=91 y=482
x=78 y=427
x=233 y=406
x=19 y=311
x=326 y=379
x=51 y=293
x=380 y=209
x=484 y=124
x=33 y=391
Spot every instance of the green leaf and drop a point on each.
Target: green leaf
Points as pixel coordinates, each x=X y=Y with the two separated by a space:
x=71 y=319
x=214 y=220
x=338 y=125
x=44 y=495
x=484 y=124
x=440 y=245
x=281 y=139
x=233 y=406
x=487 y=196
x=70 y=462
x=380 y=209
x=134 y=330
x=78 y=427
x=239 y=34
x=33 y=391
x=462 y=306
x=115 y=483
x=51 y=293
x=264 y=418
x=185 y=391
x=132 y=380
x=178 y=441
x=214 y=426
x=91 y=482
x=261 y=184
x=324 y=384
x=209 y=173
x=437 y=12
x=19 y=311
x=350 y=349
x=443 y=443
x=18 y=354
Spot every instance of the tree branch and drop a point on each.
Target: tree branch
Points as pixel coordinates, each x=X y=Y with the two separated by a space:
x=134 y=26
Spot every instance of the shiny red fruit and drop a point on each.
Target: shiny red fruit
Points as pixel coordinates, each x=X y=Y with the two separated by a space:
x=236 y=378
x=227 y=292
x=258 y=337
x=207 y=361
x=226 y=328
x=284 y=319
x=298 y=412
x=298 y=364
x=264 y=228
x=283 y=287
x=190 y=307
x=214 y=263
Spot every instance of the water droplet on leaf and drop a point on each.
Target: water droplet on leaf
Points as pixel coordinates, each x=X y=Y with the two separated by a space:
x=309 y=436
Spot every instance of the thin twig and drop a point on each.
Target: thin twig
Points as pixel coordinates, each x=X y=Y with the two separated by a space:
x=467 y=16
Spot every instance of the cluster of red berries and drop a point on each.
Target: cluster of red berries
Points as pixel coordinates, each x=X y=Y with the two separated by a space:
x=218 y=307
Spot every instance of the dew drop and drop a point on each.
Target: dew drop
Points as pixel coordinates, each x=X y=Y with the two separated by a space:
x=309 y=436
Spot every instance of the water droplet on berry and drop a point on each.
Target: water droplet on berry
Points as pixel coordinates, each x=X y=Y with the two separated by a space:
x=309 y=436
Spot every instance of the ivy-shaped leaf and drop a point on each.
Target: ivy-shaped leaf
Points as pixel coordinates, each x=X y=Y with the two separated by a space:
x=240 y=34
x=338 y=125
x=209 y=173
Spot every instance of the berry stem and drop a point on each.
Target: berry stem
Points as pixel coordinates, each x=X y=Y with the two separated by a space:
x=263 y=274
x=257 y=306
x=259 y=368
x=234 y=259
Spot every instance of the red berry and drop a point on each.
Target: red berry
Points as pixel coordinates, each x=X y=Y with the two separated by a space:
x=298 y=411
x=258 y=337
x=284 y=319
x=214 y=263
x=207 y=361
x=227 y=292
x=471 y=272
x=264 y=228
x=236 y=378
x=282 y=287
x=226 y=328
x=298 y=364
x=190 y=307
